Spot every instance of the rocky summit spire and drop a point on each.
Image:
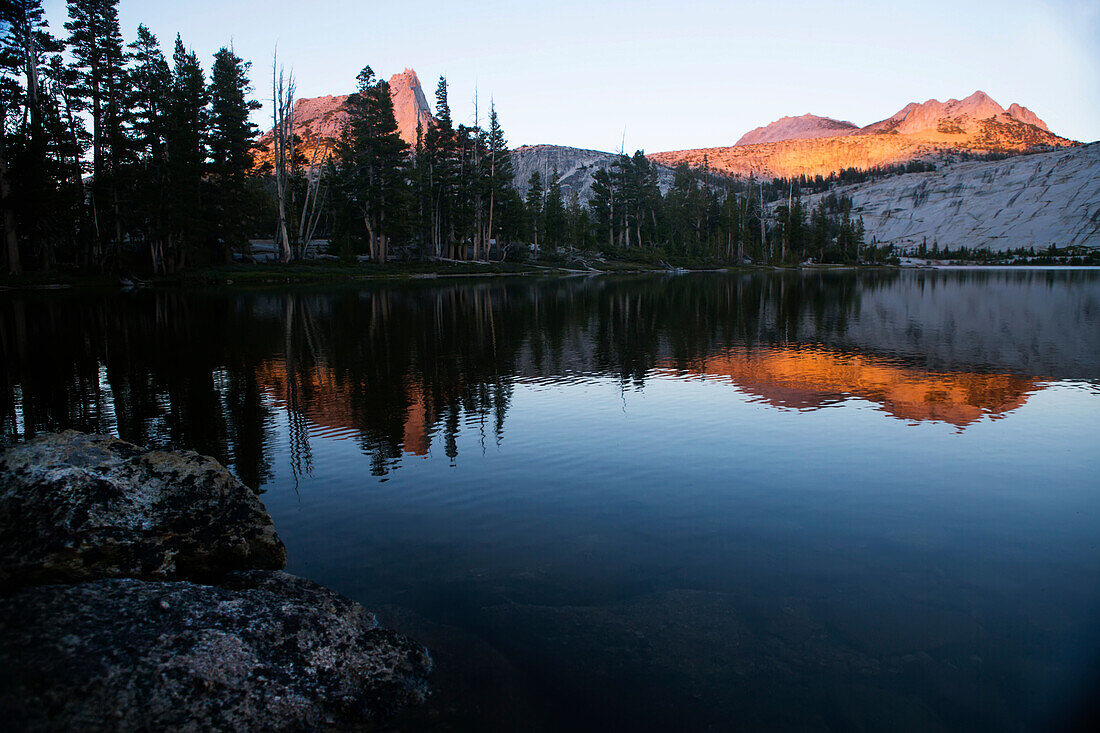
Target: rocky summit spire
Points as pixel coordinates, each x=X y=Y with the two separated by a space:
x=317 y=119
x=1023 y=114
x=410 y=107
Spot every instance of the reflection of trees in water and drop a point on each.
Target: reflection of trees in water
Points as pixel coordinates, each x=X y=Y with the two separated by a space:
x=396 y=367
x=158 y=369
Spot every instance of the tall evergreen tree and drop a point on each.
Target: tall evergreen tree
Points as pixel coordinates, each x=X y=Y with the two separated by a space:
x=499 y=173
x=23 y=47
x=95 y=41
x=553 y=213
x=441 y=149
x=602 y=205
x=150 y=96
x=232 y=136
x=371 y=165
x=185 y=146
x=534 y=206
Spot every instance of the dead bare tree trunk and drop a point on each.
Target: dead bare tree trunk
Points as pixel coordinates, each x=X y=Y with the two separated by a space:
x=316 y=196
x=282 y=95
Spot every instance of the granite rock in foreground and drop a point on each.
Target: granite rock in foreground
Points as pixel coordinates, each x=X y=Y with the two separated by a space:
x=266 y=651
x=76 y=507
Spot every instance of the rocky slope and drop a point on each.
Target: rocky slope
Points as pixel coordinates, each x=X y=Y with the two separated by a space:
x=317 y=119
x=930 y=130
x=797 y=128
x=1025 y=201
x=575 y=168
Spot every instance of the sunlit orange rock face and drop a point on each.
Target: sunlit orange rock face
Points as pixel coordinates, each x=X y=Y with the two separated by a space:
x=812 y=378
x=318 y=120
x=931 y=130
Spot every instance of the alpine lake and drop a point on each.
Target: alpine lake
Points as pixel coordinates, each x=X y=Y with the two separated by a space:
x=818 y=500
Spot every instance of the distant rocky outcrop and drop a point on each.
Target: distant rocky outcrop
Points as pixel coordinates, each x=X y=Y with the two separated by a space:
x=1023 y=114
x=575 y=167
x=934 y=115
x=138 y=592
x=932 y=130
x=410 y=106
x=1025 y=201
x=319 y=119
x=797 y=128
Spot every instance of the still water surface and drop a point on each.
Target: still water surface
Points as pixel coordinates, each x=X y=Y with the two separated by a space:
x=823 y=501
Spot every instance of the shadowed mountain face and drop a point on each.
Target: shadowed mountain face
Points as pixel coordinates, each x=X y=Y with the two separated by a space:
x=575 y=168
x=1024 y=201
x=812 y=146
x=393 y=366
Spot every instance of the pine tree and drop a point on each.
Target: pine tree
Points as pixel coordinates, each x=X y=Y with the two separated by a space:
x=602 y=204
x=498 y=161
x=186 y=154
x=553 y=213
x=534 y=206
x=96 y=44
x=231 y=139
x=23 y=155
x=440 y=149
x=150 y=93
x=577 y=222
x=371 y=165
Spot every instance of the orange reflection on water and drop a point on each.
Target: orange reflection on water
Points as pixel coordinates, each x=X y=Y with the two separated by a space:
x=813 y=377
x=330 y=403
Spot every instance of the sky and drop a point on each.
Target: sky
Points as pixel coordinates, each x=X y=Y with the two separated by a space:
x=660 y=75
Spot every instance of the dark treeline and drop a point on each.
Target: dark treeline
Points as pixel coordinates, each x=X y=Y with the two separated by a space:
x=847 y=176
x=114 y=155
x=1049 y=255
x=700 y=218
x=118 y=156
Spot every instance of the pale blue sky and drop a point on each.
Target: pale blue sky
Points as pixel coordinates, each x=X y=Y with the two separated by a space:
x=672 y=75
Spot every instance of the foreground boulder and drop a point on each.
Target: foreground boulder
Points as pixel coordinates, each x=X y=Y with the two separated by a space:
x=268 y=651
x=76 y=507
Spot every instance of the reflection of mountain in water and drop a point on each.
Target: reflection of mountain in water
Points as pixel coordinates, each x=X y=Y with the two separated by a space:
x=398 y=367
x=814 y=377
x=1033 y=322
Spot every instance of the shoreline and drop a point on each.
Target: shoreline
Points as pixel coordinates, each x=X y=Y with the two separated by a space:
x=247 y=276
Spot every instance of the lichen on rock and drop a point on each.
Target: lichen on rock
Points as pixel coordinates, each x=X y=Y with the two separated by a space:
x=77 y=507
x=267 y=651
x=114 y=633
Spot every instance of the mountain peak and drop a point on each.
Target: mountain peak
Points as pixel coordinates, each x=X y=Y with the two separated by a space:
x=978 y=105
x=317 y=119
x=1023 y=114
x=955 y=116
x=792 y=128
x=410 y=107
x=918 y=131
